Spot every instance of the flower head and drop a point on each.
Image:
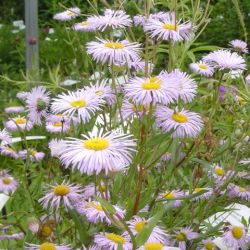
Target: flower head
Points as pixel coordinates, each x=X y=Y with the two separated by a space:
x=32 y=154
x=7 y=184
x=202 y=68
x=80 y=103
x=112 y=19
x=9 y=151
x=95 y=213
x=47 y=246
x=174 y=194
x=14 y=109
x=68 y=14
x=137 y=224
x=239 y=46
x=238 y=191
x=208 y=245
x=102 y=90
x=5 y=137
x=167 y=28
x=111 y=241
x=206 y=193
x=64 y=193
x=182 y=123
x=144 y=91
x=19 y=123
x=107 y=51
x=184 y=87
x=94 y=154
x=37 y=101
x=92 y=190
x=183 y=235
x=86 y=26
x=236 y=237
x=225 y=60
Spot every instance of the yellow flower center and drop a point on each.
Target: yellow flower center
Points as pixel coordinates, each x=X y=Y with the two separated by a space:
x=169 y=195
x=78 y=103
x=33 y=152
x=102 y=188
x=69 y=13
x=99 y=92
x=219 y=171
x=197 y=190
x=179 y=117
x=46 y=231
x=242 y=190
x=154 y=83
x=20 y=120
x=6 y=180
x=181 y=236
x=57 y=124
x=116 y=238
x=47 y=246
x=237 y=232
x=209 y=245
x=153 y=246
x=96 y=144
x=139 y=226
x=85 y=23
x=114 y=45
x=94 y=205
x=169 y=26
x=203 y=66
x=61 y=190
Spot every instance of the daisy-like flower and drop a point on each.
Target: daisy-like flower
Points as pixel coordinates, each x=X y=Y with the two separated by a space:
x=156 y=246
x=61 y=193
x=22 y=95
x=57 y=127
x=182 y=123
x=68 y=14
x=174 y=194
x=236 y=237
x=32 y=154
x=92 y=190
x=56 y=146
x=208 y=245
x=15 y=236
x=168 y=28
x=225 y=60
x=130 y=109
x=104 y=51
x=94 y=212
x=112 y=19
x=8 y=151
x=183 y=235
x=183 y=85
x=7 y=184
x=47 y=246
x=204 y=196
x=139 y=20
x=87 y=26
x=14 y=109
x=136 y=225
x=219 y=174
x=240 y=192
x=5 y=137
x=239 y=46
x=95 y=154
x=202 y=68
x=149 y=90
x=19 y=123
x=37 y=102
x=80 y=103
x=102 y=90
x=112 y=241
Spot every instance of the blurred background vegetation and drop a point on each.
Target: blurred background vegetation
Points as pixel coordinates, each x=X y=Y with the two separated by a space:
x=229 y=19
